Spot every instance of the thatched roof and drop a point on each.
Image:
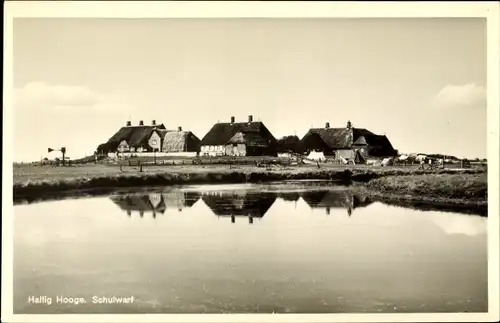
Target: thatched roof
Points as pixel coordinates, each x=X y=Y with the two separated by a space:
x=180 y=141
x=345 y=138
x=135 y=136
x=230 y=204
x=253 y=139
x=161 y=132
x=340 y=138
x=221 y=133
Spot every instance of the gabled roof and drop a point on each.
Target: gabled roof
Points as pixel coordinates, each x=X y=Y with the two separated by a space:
x=222 y=132
x=161 y=132
x=248 y=138
x=374 y=140
x=134 y=135
x=175 y=141
x=340 y=138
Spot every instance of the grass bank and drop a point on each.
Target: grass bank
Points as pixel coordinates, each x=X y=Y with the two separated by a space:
x=37 y=182
x=460 y=190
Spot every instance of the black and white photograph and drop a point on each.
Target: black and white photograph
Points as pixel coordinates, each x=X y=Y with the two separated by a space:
x=208 y=159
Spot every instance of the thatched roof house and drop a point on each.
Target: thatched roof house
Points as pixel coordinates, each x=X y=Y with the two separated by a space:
x=346 y=142
x=250 y=138
x=130 y=138
x=180 y=141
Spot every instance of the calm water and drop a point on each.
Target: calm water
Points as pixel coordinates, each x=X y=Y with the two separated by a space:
x=247 y=248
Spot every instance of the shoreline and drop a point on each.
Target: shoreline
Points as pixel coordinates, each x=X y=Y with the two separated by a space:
x=385 y=185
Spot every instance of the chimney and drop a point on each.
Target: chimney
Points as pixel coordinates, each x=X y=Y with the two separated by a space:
x=232 y=119
x=349 y=124
x=179 y=128
x=129 y=123
x=250 y=118
x=153 y=123
x=141 y=123
x=327 y=125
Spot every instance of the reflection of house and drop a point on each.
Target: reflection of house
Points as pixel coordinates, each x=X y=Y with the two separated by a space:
x=349 y=143
x=131 y=139
x=289 y=196
x=179 y=200
x=154 y=202
x=232 y=204
x=329 y=199
x=250 y=138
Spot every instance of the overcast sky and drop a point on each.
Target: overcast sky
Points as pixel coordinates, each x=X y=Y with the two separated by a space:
x=419 y=81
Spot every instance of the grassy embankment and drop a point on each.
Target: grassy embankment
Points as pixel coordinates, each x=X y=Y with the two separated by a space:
x=457 y=191
x=448 y=186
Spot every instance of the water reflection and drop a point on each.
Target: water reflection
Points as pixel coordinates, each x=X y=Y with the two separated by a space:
x=328 y=199
x=199 y=263
x=239 y=203
x=155 y=202
x=289 y=196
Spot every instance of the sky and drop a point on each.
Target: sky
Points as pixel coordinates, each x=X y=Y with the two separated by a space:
x=419 y=81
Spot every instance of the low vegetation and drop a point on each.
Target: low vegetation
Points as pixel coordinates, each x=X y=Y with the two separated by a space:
x=443 y=185
x=461 y=190
x=461 y=185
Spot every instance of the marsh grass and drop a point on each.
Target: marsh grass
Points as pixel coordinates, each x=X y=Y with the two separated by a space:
x=36 y=182
x=449 y=186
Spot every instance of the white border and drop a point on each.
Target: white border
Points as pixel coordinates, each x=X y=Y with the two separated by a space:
x=145 y=9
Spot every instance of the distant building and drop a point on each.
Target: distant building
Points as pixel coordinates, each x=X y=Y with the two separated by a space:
x=179 y=141
x=250 y=138
x=132 y=139
x=350 y=143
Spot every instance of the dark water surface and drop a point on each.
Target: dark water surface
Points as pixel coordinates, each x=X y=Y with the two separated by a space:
x=284 y=248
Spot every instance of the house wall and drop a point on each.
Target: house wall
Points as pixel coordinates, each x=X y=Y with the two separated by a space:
x=209 y=150
x=152 y=154
x=154 y=141
x=155 y=199
x=123 y=146
x=363 y=149
x=261 y=151
x=345 y=153
x=236 y=150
